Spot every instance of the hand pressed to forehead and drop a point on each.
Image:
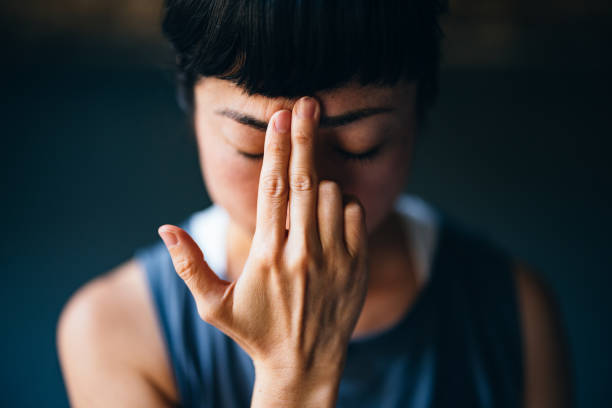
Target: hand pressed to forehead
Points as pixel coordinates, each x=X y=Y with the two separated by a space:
x=288 y=180
x=292 y=287
x=290 y=194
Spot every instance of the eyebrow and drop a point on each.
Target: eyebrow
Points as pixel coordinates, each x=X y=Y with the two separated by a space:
x=325 y=122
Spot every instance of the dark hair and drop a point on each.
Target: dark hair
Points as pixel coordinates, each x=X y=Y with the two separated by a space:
x=290 y=48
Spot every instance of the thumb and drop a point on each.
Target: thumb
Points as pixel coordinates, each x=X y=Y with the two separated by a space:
x=206 y=287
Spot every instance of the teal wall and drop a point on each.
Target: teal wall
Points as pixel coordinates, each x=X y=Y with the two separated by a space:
x=96 y=155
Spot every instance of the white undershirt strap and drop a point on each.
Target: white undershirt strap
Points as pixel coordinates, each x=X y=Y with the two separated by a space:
x=209 y=228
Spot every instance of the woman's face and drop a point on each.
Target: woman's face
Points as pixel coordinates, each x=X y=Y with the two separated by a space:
x=230 y=129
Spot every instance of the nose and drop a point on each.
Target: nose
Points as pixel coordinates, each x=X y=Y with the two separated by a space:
x=327 y=166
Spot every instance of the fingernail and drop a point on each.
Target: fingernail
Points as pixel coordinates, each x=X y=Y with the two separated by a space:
x=168 y=237
x=306 y=109
x=282 y=121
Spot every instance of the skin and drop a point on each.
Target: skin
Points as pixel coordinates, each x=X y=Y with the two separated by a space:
x=314 y=258
x=233 y=180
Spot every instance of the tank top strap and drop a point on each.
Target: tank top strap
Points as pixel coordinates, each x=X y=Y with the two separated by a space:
x=478 y=321
x=209 y=368
x=171 y=305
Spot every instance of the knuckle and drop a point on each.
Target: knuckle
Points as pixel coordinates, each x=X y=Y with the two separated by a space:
x=268 y=261
x=302 y=137
x=266 y=258
x=273 y=185
x=298 y=263
x=304 y=259
x=342 y=270
x=275 y=148
x=184 y=268
x=301 y=181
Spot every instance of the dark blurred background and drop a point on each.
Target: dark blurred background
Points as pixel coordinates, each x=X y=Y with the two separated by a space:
x=96 y=155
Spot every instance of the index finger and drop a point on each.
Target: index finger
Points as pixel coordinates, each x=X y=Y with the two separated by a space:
x=273 y=185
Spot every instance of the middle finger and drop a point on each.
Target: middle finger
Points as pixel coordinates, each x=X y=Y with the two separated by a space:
x=303 y=182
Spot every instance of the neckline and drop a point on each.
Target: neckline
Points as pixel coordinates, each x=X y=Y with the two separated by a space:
x=412 y=312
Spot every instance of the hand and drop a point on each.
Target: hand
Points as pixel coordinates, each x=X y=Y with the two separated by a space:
x=298 y=298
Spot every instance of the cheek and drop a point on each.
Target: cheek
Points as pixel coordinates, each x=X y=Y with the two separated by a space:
x=231 y=180
x=378 y=184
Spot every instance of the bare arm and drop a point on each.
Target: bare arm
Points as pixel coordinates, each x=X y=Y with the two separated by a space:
x=110 y=352
x=547 y=366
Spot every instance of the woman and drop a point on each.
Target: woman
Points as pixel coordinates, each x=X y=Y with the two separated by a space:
x=312 y=280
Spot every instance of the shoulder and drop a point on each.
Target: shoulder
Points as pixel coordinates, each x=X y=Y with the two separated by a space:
x=109 y=343
x=547 y=371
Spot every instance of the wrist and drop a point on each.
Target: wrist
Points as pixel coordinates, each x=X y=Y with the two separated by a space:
x=296 y=387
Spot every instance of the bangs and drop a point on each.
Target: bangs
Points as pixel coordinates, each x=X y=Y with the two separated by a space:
x=290 y=48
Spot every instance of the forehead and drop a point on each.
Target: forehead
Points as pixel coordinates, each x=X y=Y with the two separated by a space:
x=212 y=93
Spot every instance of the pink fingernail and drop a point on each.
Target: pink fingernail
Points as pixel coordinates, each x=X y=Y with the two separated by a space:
x=306 y=108
x=168 y=237
x=282 y=121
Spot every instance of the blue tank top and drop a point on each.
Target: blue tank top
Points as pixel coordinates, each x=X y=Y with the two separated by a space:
x=459 y=345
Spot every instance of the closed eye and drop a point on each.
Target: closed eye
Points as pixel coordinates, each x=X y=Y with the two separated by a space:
x=252 y=156
x=362 y=156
